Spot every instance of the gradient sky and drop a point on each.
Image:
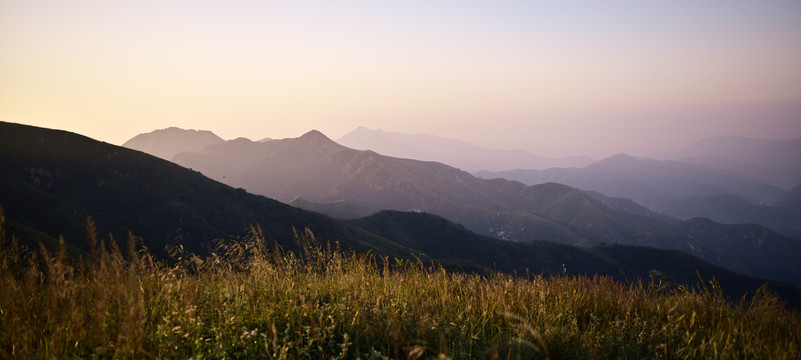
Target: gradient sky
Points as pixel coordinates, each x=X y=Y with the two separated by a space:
x=556 y=78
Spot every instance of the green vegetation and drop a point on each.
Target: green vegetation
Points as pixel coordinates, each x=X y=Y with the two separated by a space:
x=250 y=299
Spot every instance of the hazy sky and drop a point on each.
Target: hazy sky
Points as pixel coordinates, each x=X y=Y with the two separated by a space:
x=556 y=77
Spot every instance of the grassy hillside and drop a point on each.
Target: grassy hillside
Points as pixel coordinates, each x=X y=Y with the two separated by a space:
x=249 y=300
x=455 y=247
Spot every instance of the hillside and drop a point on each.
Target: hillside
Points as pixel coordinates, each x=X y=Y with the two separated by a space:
x=458 y=247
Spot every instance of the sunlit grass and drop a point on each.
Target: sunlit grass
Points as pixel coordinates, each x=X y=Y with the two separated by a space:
x=250 y=299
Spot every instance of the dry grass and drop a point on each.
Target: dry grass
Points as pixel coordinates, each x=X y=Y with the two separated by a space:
x=249 y=299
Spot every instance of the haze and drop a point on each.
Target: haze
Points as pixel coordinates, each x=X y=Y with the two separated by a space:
x=557 y=79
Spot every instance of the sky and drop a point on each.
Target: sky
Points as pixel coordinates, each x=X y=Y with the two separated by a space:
x=556 y=78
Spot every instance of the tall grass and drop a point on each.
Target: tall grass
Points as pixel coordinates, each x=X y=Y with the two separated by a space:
x=250 y=299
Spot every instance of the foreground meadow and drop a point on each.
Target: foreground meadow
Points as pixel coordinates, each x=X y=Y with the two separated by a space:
x=249 y=299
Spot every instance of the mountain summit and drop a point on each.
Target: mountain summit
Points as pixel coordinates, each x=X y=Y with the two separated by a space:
x=166 y=143
x=314 y=135
x=315 y=138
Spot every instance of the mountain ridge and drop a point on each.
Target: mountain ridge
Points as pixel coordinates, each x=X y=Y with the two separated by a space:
x=179 y=140
x=52 y=179
x=662 y=186
x=456 y=153
x=288 y=168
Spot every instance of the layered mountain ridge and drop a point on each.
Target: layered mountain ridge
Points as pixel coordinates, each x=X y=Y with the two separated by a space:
x=51 y=180
x=678 y=189
x=458 y=154
x=320 y=171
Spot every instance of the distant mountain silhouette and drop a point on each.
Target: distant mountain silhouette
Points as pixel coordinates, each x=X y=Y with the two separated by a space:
x=319 y=170
x=165 y=143
x=50 y=180
x=646 y=181
x=459 y=154
x=776 y=162
x=669 y=187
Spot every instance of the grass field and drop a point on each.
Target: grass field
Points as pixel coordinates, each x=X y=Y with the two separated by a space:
x=249 y=299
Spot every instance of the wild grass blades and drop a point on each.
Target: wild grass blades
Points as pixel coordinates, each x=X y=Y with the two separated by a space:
x=252 y=299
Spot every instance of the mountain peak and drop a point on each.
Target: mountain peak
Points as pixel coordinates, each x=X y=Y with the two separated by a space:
x=166 y=143
x=315 y=136
x=241 y=140
x=620 y=156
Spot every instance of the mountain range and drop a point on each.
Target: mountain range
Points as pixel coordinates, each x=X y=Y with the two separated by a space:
x=316 y=173
x=677 y=189
x=52 y=180
x=459 y=154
